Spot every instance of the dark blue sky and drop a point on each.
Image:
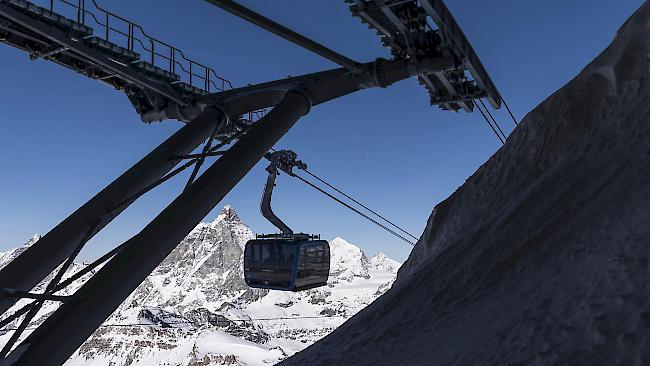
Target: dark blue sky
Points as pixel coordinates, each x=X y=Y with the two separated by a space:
x=65 y=137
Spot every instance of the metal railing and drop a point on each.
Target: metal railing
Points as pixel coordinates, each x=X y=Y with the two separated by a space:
x=133 y=37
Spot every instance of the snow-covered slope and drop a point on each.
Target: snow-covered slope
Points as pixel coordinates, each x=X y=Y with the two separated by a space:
x=542 y=256
x=8 y=256
x=195 y=308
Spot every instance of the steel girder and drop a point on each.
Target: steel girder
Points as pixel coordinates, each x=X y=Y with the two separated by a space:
x=286 y=33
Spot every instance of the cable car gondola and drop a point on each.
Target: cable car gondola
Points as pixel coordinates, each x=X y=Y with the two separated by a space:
x=286 y=264
x=286 y=261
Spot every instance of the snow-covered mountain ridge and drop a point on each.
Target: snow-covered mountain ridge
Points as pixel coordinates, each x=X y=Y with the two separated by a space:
x=195 y=308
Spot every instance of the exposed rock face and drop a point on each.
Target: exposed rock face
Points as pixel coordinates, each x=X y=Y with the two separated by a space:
x=204 y=269
x=195 y=308
x=541 y=257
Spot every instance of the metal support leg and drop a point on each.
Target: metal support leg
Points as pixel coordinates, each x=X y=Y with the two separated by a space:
x=38 y=261
x=94 y=302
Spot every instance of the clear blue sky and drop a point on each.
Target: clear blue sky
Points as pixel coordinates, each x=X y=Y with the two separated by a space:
x=64 y=137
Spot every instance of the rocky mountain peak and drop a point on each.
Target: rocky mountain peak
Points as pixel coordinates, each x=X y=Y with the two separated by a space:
x=203 y=269
x=228 y=215
x=347 y=261
x=382 y=262
x=345 y=248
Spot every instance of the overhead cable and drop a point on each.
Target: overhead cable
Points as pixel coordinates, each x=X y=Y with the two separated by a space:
x=493 y=119
x=489 y=123
x=359 y=203
x=510 y=112
x=354 y=209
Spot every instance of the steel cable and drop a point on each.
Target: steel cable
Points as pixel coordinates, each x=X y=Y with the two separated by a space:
x=359 y=203
x=493 y=119
x=490 y=124
x=353 y=209
x=510 y=112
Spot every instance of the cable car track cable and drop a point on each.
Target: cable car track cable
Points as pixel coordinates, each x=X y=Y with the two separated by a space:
x=510 y=112
x=359 y=203
x=493 y=119
x=355 y=201
x=490 y=124
x=353 y=209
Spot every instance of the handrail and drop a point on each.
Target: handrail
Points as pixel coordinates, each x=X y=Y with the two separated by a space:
x=207 y=76
x=144 y=33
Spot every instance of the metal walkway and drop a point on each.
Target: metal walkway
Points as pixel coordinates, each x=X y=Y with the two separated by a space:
x=101 y=45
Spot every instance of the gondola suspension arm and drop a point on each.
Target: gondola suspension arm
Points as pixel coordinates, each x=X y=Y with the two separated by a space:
x=284 y=160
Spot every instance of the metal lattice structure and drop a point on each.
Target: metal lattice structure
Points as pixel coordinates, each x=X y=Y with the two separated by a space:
x=162 y=83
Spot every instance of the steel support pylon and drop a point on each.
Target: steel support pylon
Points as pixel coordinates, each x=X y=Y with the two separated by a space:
x=96 y=300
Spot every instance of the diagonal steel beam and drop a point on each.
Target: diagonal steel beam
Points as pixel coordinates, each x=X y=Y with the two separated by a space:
x=39 y=260
x=286 y=33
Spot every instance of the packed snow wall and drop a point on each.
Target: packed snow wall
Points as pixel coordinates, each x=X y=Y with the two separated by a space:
x=542 y=256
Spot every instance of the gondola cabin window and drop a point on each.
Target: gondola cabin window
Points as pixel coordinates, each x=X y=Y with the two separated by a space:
x=288 y=265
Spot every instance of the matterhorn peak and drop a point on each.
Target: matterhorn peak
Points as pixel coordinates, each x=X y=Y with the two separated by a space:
x=227 y=214
x=229 y=220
